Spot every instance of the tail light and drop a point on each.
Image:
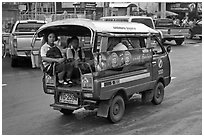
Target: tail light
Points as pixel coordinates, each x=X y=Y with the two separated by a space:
x=169 y=31
x=15 y=43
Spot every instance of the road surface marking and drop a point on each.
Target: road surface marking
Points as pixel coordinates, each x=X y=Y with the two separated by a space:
x=173 y=77
x=68 y=124
x=3 y=85
x=197 y=45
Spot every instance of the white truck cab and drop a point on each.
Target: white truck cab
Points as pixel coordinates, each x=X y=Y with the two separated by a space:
x=20 y=39
x=148 y=21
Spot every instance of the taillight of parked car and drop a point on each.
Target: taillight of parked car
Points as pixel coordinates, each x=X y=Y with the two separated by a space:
x=169 y=31
x=14 y=41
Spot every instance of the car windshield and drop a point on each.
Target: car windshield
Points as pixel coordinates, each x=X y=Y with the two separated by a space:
x=147 y=22
x=28 y=27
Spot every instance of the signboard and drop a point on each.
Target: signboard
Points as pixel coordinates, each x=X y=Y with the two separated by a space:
x=90 y=5
x=67 y=4
x=22 y=7
x=183 y=7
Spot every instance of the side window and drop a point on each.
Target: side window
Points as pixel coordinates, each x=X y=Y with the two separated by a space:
x=98 y=42
x=157 y=49
x=103 y=44
x=117 y=44
x=134 y=43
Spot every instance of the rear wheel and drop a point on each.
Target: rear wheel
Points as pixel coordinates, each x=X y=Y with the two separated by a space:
x=163 y=41
x=14 y=61
x=66 y=111
x=179 y=41
x=158 y=93
x=117 y=109
x=190 y=34
x=200 y=37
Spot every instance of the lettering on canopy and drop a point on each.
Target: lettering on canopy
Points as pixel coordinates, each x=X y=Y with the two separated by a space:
x=118 y=59
x=124 y=28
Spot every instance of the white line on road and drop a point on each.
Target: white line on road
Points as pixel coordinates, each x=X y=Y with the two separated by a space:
x=3 y=85
x=173 y=77
x=197 y=45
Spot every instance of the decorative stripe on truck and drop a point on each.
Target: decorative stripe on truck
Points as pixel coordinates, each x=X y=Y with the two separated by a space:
x=124 y=80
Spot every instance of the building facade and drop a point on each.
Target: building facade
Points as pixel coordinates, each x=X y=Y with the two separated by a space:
x=191 y=10
x=50 y=11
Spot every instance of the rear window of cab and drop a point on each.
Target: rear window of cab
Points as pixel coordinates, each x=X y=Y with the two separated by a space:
x=28 y=27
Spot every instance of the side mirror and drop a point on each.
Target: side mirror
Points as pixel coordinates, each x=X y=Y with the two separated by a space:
x=168 y=49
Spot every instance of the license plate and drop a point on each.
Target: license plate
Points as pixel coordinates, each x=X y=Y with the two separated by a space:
x=68 y=98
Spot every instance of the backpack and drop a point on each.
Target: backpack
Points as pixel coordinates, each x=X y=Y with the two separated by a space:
x=54 y=52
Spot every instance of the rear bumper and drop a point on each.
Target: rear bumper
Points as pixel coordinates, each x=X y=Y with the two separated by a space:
x=173 y=37
x=61 y=106
x=23 y=53
x=198 y=35
x=86 y=103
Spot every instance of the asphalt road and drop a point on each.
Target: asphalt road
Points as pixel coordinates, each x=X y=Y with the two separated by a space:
x=26 y=111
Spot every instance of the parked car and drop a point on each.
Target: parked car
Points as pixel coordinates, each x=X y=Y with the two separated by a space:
x=170 y=30
x=108 y=79
x=20 y=39
x=196 y=30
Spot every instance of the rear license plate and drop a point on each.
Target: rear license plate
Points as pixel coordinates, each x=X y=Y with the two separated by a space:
x=68 y=98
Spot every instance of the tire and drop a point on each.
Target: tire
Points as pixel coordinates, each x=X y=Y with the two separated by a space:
x=66 y=111
x=14 y=61
x=179 y=41
x=117 y=109
x=200 y=37
x=190 y=34
x=163 y=41
x=158 y=94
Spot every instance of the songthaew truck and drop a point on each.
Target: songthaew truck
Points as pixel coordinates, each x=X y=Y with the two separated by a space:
x=108 y=79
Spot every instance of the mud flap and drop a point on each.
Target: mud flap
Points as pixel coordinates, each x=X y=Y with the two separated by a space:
x=103 y=108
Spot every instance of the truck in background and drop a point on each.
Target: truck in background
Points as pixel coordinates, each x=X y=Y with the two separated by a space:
x=167 y=30
x=20 y=39
x=170 y=30
x=148 y=21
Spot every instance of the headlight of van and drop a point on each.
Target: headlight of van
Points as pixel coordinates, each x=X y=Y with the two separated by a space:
x=87 y=82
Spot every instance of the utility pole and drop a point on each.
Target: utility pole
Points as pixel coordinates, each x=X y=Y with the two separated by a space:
x=196 y=9
x=55 y=4
x=35 y=10
x=163 y=9
x=106 y=9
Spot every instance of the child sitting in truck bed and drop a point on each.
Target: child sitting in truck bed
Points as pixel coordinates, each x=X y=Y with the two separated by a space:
x=51 y=54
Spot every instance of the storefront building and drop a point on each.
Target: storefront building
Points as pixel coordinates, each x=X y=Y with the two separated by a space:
x=190 y=9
